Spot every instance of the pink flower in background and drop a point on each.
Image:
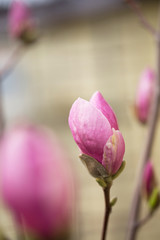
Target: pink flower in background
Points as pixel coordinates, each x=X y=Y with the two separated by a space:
x=148 y=179
x=37 y=182
x=21 y=24
x=95 y=130
x=144 y=95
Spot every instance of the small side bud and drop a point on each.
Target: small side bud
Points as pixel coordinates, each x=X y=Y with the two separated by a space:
x=151 y=192
x=154 y=199
x=21 y=23
x=113 y=201
x=101 y=182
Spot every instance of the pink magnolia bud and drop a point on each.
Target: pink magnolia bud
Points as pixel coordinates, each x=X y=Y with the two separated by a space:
x=148 y=179
x=37 y=182
x=21 y=24
x=150 y=188
x=95 y=130
x=144 y=95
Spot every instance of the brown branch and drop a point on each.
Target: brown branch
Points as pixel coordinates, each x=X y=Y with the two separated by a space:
x=134 y=214
x=143 y=221
x=107 y=211
x=141 y=17
x=136 y=201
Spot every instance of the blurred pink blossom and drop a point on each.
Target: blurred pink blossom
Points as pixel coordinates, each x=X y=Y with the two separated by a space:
x=145 y=94
x=21 y=24
x=95 y=130
x=37 y=181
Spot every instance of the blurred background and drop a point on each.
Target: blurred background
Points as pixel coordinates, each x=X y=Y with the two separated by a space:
x=84 y=46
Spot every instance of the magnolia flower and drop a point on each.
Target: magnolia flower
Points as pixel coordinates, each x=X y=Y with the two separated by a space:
x=95 y=130
x=37 y=182
x=21 y=24
x=144 y=95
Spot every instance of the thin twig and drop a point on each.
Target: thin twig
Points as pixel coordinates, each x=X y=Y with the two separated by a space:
x=147 y=152
x=136 y=201
x=141 y=17
x=7 y=68
x=144 y=220
x=11 y=62
x=107 y=211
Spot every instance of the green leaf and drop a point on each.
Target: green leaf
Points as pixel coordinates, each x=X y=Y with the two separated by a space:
x=120 y=170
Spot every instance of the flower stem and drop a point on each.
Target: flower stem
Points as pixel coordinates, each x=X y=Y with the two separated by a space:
x=143 y=221
x=107 y=211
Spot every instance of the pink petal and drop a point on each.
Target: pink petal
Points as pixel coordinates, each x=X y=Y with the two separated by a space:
x=113 y=152
x=89 y=127
x=99 y=102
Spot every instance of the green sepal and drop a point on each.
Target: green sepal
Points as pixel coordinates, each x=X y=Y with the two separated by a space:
x=2 y=236
x=101 y=182
x=113 y=201
x=28 y=36
x=120 y=170
x=95 y=168
x=63 y=235
x=104 y=182
x=154 y=199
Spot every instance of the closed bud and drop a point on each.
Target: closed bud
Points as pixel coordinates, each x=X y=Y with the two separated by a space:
x=21 y=23
x=150 y=189
x=149 y=181
x=144 y=96
x=37 y=182
x=95 y=130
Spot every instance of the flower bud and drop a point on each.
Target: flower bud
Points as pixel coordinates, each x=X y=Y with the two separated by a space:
x=21 y=24
x=144 y=95
x=150 y=186
x=149 y=181
x=95 y=130
x=37 y=182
